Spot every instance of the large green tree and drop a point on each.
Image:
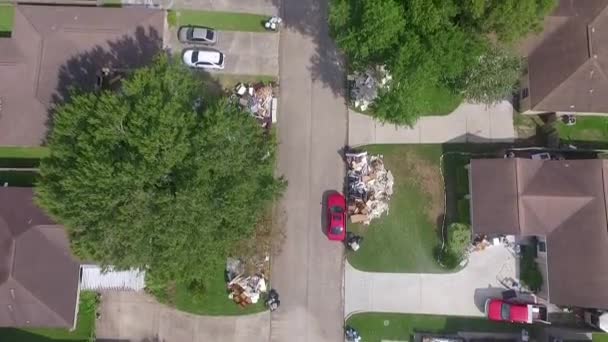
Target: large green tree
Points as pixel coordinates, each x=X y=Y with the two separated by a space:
x=148 y=177
x=431 y=47
x=493 y=78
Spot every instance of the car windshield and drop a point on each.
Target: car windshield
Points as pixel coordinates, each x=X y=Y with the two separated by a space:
x=337 y=230
x=505 y=312
x=221 y=61
x=336 y=209
x=194 y=56
x=209 y=35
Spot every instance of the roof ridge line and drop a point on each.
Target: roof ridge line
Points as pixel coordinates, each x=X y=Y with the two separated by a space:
x=43 y=304
x=539 y=104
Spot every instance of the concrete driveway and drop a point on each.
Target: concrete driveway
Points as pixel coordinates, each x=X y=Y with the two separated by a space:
x=458 y=294
x=136 y=317
x=246 y=53
x=249 y=53
x=473 y=123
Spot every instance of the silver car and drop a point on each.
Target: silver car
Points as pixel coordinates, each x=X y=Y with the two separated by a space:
x=197 y=35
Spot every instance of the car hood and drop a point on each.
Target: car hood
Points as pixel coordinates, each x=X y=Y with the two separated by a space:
x=494 y=308
x=187 y=57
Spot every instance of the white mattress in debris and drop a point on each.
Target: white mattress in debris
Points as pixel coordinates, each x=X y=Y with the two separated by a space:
x=94 y=278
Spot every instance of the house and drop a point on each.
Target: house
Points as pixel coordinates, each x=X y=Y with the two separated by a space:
x=563 y=204
x=567 y=64
x=38 y=275
x=54 y=48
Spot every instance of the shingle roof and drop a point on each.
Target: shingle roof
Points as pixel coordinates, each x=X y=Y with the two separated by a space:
x=53 y=48
x=38 y=275
x=562 y=200
x=568 y=66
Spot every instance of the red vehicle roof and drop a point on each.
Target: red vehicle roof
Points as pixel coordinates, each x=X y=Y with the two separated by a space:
x=499 y=310
x=336 y=217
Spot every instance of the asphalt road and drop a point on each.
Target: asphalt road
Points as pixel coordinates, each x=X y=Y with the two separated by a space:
x=308 y=272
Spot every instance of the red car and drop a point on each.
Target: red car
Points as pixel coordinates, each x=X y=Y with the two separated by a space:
x=336 y=217
x=499 y=310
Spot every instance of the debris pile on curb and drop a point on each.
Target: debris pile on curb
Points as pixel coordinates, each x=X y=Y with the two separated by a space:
x=370 y=186
x=364 y=86
x=258 y=101
x=244 y=289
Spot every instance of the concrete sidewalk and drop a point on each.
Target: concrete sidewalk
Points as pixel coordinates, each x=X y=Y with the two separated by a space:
x=468 y=123
x=459 y=294
x=136 y=317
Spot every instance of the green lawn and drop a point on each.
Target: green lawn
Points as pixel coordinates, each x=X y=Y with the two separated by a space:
x=441 y=101
x=225 y=21
x=376 y=327
x=587 y=128
x=112 y=3
x=600 y=337
x=404 y=240
x=7 y=12
x=229 y=81
x=23 y=152
x=214 y=301
x=85 y=329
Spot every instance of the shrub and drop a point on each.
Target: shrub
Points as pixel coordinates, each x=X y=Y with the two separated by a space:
x=529 y=272
x=456 y=245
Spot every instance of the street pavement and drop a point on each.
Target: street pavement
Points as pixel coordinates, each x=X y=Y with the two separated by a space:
x=137 y=317
x=462 y=293
x=312 y=123
x=468 y=123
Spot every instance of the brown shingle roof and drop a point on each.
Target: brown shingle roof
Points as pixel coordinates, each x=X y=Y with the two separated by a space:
x=38 y=275
x=562 y=200
x=568 y=62
x=53 y=48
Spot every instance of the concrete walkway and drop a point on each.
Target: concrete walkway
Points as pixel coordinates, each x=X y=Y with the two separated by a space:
x=137 y=317
x=459 y=294
x=468 y=123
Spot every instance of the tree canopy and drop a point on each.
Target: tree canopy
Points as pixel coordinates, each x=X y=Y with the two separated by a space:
x=434 y=44
x=146 y=177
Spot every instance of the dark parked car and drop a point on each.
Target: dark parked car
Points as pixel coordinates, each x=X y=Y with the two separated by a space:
x=197 y=35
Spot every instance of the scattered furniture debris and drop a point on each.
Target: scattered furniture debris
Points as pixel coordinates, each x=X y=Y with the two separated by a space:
x=244 y=289
x=257 y=100
x=569 y=119
x=351 y=334
x=370 y=187
x=353 y=241
x=273 y=302
x=273 y=23
x=364 y=86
